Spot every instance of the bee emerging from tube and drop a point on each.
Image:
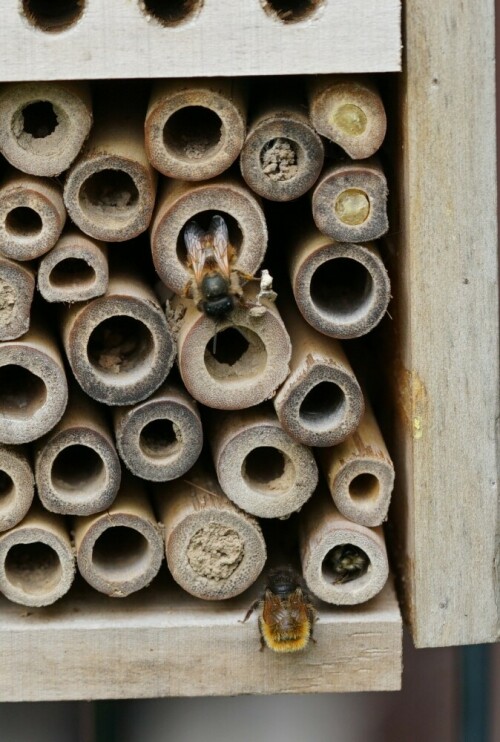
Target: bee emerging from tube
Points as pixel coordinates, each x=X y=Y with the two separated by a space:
x=287 y=615
x=348 y=562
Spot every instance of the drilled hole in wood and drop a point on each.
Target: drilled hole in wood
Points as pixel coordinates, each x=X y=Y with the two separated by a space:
x=78 y=470
x=119 y=345
x=23 y=222
x=203 y=219
x=121 y=553
x=345 y=563
x=22 y=393
x=323 y=406
x=158 y=439
x=364 y=486
x=53 y=16
x=7 y=489
x=72 y=273
x=291 y=11
x=235 y=354
x=109 y=192
x=268 y=470
x=34 y=568
x=193 y=132
x=341 y=287
x=171 y=12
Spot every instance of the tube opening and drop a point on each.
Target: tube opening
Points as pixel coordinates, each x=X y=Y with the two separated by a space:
x=39 y=119
x=121 y=553
x=78 y=470
x=323 y=406
x=203 y=219
x=120 y=345
x=268 y=470
x=35 y=568
x=159 y=439
x=345 y=563
x=341 y=287
x=23 y=222
x=109 y=193
x=215 y=551
x=291 y=11
x=352 y=207
x=22 y=393
x=279 y=159
x=364 y=486
x=7 y=489
x=72 y=273
x=171 y=12
x=53 y=15
x=193 y=132
x=235 y=354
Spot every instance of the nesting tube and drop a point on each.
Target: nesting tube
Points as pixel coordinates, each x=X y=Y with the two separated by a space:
x=17 y=285
x=121 y=550
x=349 y=202
x=259 y=466
x=32 y=215
x=180 y=202
x=44 y=124
x=161 y=438
x=341 y=289
x=235 y=362
x=37 y=564
x=214 y=550
x=195 y=128
x=349 y=112
x=76 y=269
x=17 y=486
x=77 y=468
x=119 y=345
x=110 y=189
x=360 y=474
x=342 y=562
x=33 y=387
x=321 y=402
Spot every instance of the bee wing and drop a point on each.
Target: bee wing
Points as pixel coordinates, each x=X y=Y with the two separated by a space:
x=194 y=241
x=220 y=244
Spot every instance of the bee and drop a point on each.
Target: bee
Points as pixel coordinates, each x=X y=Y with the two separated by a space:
x=348 y=562
x=287 y=615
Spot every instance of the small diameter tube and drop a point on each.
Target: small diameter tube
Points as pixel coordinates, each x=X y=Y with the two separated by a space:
x=37 y=563
x=195 y=128
x=348 y=111
x=349 y=202
x=236 y=362
x=360 y=474
x=17 y=486
x=323 y=531
x=321 y=402
x=17 y=285
x=76 y=269
x=341 y=289
x=214 y=550
x=32 y=216
x=161 y=438
x=179 y=202
x=119 y=345
x=44 y=124
x=77 y=468
x=33 y=387
x=121 y=550
x=259 y=467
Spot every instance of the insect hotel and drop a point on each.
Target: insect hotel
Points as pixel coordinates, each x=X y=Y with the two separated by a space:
x=248 y=344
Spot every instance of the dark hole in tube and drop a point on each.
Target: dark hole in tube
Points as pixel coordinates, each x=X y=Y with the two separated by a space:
x=22 y=393
x=7 y=487
x=72 y=273
x=322 y=406
x=77 y=469
x=34 y=568
x=119 y=345
x=120 y=553
x=228 y=346
x=341 y=287
x=364 y=486
x=192 y=132
x=108 y=191
x=39 y=119
x=158 y=438
x=23 y=222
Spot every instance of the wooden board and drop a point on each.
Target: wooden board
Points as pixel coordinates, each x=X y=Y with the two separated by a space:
x=160 y=642
x=115 y=39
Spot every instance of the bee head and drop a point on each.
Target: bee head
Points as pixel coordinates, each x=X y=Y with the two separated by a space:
x=217 y=307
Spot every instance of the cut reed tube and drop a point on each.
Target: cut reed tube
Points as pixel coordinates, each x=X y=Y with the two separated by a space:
x=214 y=550
x=321 y=402
x=44 y=124
x=33 y=387
x=259 y=467
x=77 y=468
x=121 y=550
x=349 y=112
x=17 y=486
x=160 y=439
x=360 y=474
x=119 y=345
x=76 y=269
x=179 y=202
x=32 y=215
x=349 y=202
x=110 y=189
x=341 y=289
x=234 y=362
x=342 y=562
x=37 y=564
x=195 y=129
x=17 y=285
x=282 y=156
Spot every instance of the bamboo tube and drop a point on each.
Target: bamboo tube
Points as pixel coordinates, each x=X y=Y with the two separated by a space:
x=341 y=289
x=17 y=486
x=161 y=438
x=179 y=202
x=77 y=469
x=320 y=402
x=76 y=269
x=323 y=531
x=33 y=387
x=119 y=346
x=349 y=111
x=37 y=564
x=52 y=17
x=121 y=550
x=234 y=362
x=349 y=202
x=110 y=189
x=44 y=124
x=282 y=156
x=195 y=128
x=214 y=550
x=360 y=474
x=32 y=215
x=259 y=467
x=17 y=285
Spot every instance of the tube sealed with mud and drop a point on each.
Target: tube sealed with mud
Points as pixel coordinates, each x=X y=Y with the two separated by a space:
x=17 y=285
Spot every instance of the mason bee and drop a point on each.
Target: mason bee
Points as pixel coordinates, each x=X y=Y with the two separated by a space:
x=287 y=615
x=348 y=562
